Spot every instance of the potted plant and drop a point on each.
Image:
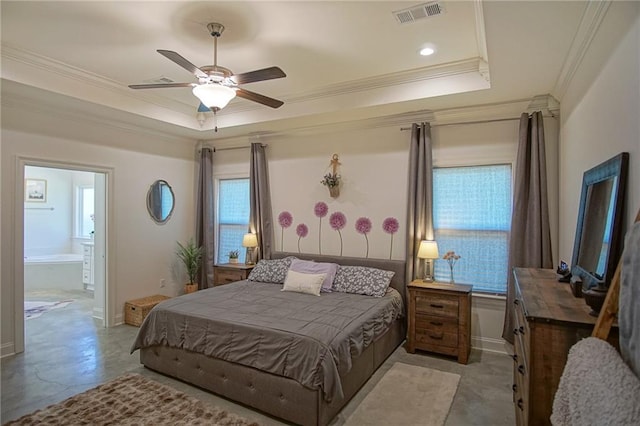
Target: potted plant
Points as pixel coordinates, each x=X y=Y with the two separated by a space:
x=191 y=256
x=332 y=181
x=233 y=256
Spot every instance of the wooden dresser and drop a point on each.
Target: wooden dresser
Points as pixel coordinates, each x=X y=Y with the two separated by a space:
x=225 y=273
x=440 y=318
x=548 y=321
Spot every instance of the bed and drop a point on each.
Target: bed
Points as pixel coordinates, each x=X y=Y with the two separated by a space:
x=294 y=356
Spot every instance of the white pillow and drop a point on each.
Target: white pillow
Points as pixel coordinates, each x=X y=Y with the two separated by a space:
x=303 y=283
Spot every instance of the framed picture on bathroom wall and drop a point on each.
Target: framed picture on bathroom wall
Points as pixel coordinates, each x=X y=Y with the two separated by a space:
x=35 y=190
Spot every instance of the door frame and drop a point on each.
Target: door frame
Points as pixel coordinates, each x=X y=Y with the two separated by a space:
x=18 y=226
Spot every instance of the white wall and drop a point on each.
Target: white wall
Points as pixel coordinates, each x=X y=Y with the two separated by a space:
x=600 y=113
x=48 y=225
x=141 y=253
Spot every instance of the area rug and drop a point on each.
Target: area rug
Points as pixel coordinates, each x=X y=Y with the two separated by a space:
x=131 y=400
x=33 y=309
x=408 y=395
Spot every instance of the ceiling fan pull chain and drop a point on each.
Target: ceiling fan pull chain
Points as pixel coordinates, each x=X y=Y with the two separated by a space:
x=215 y=121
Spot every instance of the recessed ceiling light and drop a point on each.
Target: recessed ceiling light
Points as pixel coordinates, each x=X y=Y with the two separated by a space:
x=427 y=51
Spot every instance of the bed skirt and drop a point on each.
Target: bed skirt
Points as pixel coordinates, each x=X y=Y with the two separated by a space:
x=275 y=395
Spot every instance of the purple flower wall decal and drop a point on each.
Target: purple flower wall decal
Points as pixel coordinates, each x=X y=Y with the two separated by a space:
x=320 y=210
x=285 y=219
x=390 y=226
x=302 y=230
x=363 y=226
x=338 y=221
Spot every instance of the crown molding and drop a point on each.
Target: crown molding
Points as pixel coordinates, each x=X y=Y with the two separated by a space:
x=481 y=36
x=492 y=111
x=465 y=66
x=592 y=18
x=49 y=65
x=30 y=106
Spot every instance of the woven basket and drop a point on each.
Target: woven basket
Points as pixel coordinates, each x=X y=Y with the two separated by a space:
x=136 y=310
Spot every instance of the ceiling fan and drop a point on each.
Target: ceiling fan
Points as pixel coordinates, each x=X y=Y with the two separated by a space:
x=218 y=85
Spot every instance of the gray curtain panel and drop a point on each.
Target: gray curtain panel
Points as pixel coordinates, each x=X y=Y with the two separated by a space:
x=530 y=241
x=420 y=205
x=260 y=217
x=204 y=218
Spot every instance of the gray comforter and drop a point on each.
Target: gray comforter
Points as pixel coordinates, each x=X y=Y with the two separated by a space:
x=307 y=338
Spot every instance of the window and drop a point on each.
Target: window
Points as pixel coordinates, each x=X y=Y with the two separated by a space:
x=472 y=216
x=232 y=217
x=84 y=211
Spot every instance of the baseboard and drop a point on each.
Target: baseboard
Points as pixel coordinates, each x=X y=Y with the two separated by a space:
x=119 y=319
x=7 y=349
x=98 y=313
x=489 y=344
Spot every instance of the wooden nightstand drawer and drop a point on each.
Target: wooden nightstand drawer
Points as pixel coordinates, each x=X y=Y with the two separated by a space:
x=433 y=339
x=438 y=305
x=437 y=324
x=226 y=276
x=230 y=273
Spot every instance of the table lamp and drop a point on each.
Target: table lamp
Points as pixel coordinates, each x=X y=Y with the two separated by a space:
x=428 y=250
x=250 y=241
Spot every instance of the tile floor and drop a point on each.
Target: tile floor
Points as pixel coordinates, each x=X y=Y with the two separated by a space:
x=67 y=353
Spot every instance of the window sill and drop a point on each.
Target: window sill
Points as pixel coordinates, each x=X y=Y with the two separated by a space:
x=490 y=296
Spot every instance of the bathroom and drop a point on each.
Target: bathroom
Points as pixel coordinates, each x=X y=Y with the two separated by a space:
x=59 y=229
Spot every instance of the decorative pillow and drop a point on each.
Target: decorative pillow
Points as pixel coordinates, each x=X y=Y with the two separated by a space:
x=271 y=271
x=310 y=267
x=362 y=280
x=303 y=283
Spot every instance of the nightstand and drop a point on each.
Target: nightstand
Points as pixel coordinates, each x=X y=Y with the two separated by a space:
x=440 y=318
x=226 y=273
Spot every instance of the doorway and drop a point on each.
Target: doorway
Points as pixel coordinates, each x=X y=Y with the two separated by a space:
x=64 y=245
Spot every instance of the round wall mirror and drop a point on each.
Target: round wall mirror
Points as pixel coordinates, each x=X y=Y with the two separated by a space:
x=160 y=201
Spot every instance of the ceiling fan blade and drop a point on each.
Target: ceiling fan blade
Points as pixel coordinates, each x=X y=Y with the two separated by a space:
x=175 y=57
x=159 y=86
x=258 y=75
x=261 y=99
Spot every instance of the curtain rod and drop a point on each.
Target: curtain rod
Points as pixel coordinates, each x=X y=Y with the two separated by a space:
x=493 y=120
x=39 y=208
x=233 y=147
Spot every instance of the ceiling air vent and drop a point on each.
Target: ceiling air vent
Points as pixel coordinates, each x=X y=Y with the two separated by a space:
x=159 y=80
x=418 y=12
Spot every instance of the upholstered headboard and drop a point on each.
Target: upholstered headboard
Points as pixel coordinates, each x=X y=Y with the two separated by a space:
x=398 y=281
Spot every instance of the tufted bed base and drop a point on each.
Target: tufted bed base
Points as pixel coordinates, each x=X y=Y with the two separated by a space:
x=275 y=395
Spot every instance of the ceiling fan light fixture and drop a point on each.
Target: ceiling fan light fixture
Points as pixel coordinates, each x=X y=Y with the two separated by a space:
x=214 y=95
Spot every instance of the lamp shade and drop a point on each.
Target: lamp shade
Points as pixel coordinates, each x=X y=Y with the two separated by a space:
x=250 y=240
x=428 y=250
x=214 y=95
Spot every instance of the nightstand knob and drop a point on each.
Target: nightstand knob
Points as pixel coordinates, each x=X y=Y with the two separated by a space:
x=514 y=387
x=516 y=301
x=520 y=404
x=515 y=357
x=436 y=323
x=433 y=305
x=515 y=331
x=521 y=369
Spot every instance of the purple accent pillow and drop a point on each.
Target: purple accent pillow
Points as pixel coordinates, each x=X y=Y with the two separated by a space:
x=310 y=267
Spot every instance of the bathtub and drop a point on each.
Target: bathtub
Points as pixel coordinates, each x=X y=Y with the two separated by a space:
x=59 y=271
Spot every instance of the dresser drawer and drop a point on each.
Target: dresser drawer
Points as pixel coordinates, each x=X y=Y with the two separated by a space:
x=437 y=305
